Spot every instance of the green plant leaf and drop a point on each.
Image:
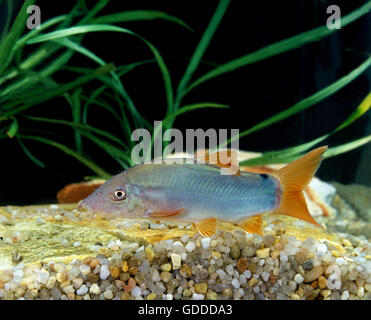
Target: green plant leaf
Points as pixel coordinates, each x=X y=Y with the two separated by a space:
x=7 y=44
x=13 y=129
x=334 y=151
x=281 y=46
x=78 y=126
x=309 y=101
x=30 y=155
x=292 y=153
x=201 y=48
x=138 y=15
x=55 y=93
x=88 y=163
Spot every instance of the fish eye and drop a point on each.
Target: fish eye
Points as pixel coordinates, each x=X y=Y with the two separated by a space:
x=119 y=194
x=264 y=176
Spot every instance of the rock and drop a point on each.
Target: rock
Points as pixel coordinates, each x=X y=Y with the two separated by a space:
x=358 y=196
x=313 y=274
x=201 y=288
x=176 y=260
x=262 y=253
x=75 y=192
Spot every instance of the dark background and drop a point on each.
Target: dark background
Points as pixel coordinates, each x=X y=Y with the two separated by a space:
x=254 y=92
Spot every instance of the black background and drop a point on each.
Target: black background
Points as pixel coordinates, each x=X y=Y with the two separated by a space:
x=254 y=92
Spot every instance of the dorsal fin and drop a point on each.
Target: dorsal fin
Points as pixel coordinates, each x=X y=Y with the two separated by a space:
x=226 y=159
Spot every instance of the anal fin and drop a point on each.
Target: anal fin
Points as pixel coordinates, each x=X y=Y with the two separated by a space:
x=253 y=225
x=206 y=227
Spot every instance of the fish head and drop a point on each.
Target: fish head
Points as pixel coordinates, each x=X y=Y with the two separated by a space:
x=115 y=197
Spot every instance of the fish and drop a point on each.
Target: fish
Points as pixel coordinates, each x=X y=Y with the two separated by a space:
x=200 y=194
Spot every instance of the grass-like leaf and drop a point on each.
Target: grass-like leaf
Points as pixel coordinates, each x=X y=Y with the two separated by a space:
x=201 y=48
x=292 y=153
x=30 y=155
x=88 y=163
x=138 y=15
x=8 y=42
x=281 y=46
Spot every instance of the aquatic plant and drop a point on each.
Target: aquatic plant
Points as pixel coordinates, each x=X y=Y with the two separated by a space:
x=28 y=81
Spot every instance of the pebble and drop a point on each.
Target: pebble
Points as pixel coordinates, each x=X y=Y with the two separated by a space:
x=345 y=295
x=263 y=253
x=322 y=282
x=136 y=291
x=205 y=242
x=104 y=272
x=235 y=283
x=176 y=260
x=201 y=288
x=82 y=290
x=150 y=255
x=190 y=246
x=298 y=278
x=307 y=265
x=197 y=296
x=94 y=289
x=84 y=269
x=313 y=274
x=108 y=294
x=166 y=267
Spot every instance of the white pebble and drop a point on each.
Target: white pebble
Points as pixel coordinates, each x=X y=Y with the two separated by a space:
x=84 y=269
x=104 y=272
x=69 y=289
x=321 y=248
x=43 y=277
x=345 y=295
x=221 y=274
x=229 y=269
x=178 y=247
x=205 y=242
x=82 y=290
x=77 y=244
x=168 y=296
x=18 y=275
x=247 y=274
x=136 y=292
x=190 y=246
x=298 y=278
x=197 y=296
x=235 y=283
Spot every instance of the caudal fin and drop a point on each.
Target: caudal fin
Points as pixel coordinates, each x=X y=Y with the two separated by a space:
x=294 y=178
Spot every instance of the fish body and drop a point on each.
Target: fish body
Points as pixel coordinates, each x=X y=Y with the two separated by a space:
x=200 y=194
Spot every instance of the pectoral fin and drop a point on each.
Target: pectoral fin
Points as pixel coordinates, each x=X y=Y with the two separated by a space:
x=163 y=213
x=253 y=225
x=206 y=227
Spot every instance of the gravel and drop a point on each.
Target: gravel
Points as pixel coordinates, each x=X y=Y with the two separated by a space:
x=227 y=265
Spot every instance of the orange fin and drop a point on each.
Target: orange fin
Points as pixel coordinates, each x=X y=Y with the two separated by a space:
x=164 y=213
x=253 y=225
x=206 y=227
x=297 y=174
x=293 y=204
x=226 y=159
x=294 y=178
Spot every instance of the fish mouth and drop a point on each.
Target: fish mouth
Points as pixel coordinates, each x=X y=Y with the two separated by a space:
x=85 y=210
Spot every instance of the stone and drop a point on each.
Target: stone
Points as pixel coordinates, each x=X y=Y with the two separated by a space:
x=313 y=274
x=201 y=288
x=262 y=253
x=176 y=260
